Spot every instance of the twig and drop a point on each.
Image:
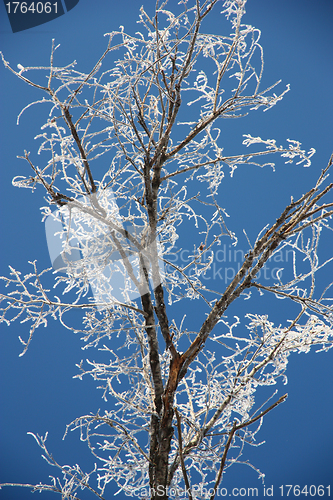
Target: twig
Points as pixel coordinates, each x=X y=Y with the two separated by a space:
x=180 y=440
x=235 y=428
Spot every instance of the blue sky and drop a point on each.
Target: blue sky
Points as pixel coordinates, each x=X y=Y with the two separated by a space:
x=38 y=392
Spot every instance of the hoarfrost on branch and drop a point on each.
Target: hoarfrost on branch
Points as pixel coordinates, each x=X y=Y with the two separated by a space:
x=131 y=154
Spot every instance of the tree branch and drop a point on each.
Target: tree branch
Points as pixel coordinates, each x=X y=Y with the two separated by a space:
x=180 y=440
x=234 y=429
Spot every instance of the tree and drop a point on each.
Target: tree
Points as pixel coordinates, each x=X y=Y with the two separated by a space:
x=132 y=153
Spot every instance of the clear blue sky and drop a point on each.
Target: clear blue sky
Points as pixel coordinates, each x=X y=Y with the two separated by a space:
x=38 y=392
